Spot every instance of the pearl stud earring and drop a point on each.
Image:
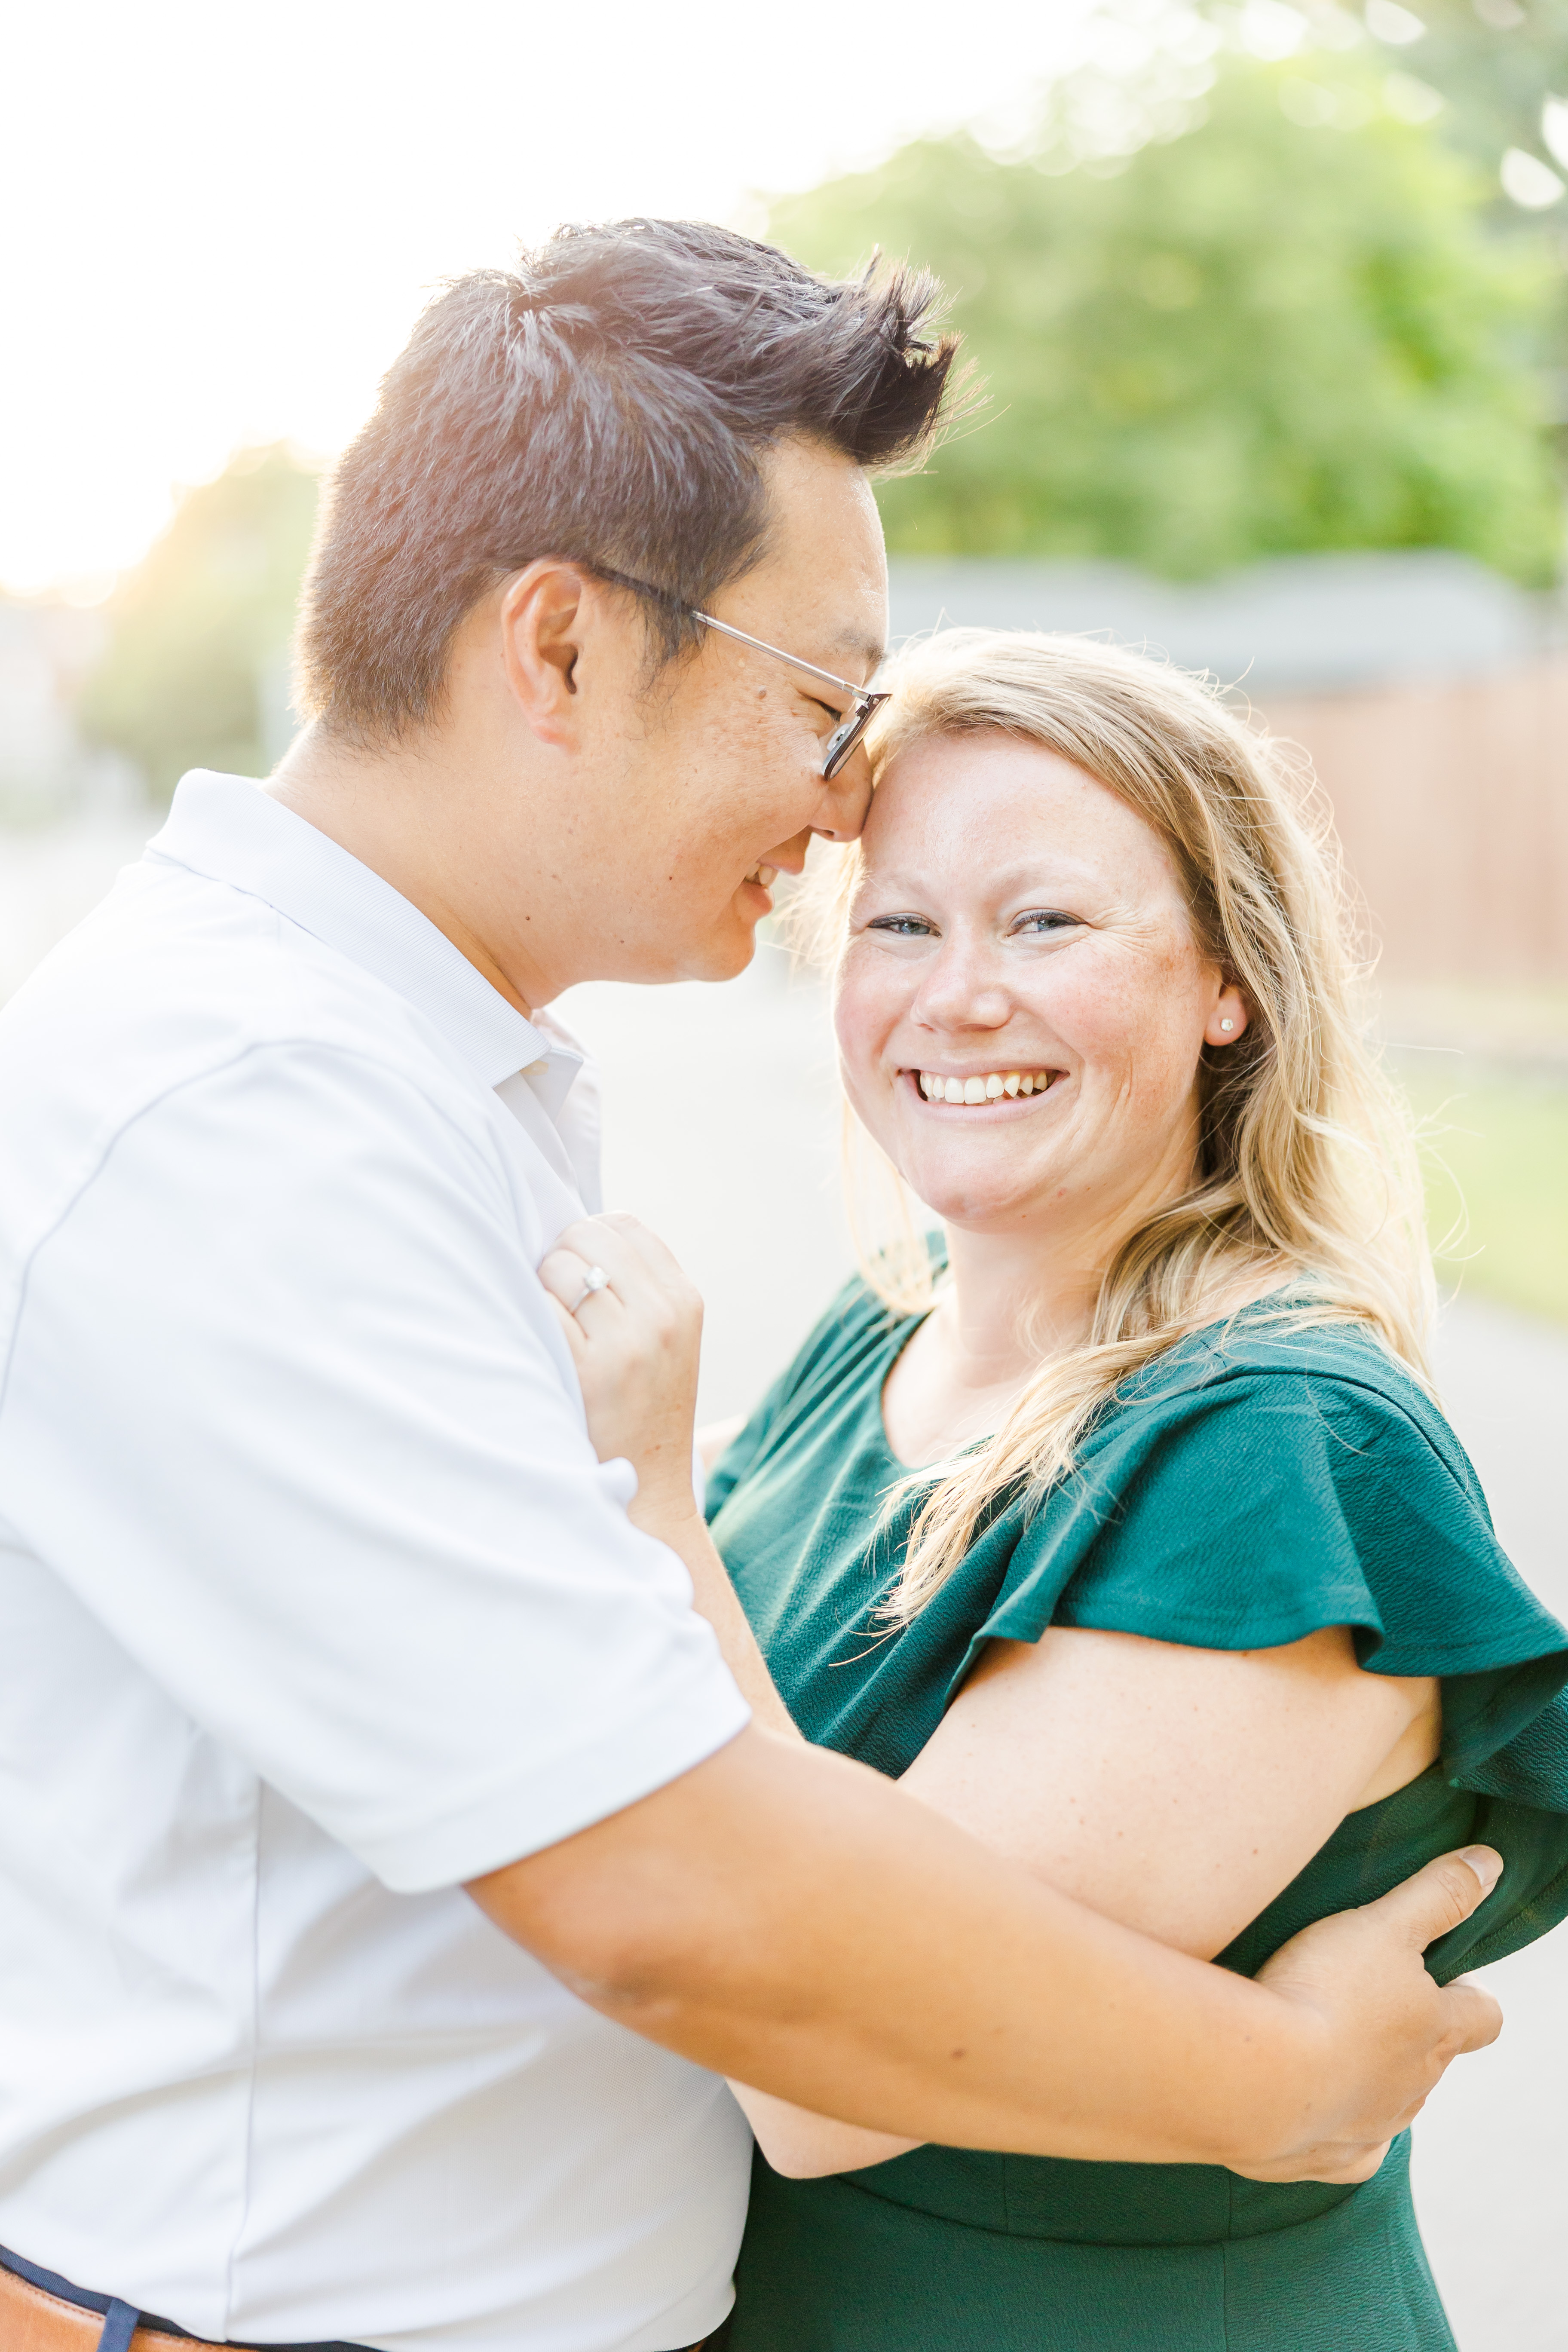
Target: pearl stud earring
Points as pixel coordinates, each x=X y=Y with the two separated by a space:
x=1227 y=1025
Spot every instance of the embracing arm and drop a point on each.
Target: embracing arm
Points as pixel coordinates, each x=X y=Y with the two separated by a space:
x=1176 y=1790
x=790 y=1918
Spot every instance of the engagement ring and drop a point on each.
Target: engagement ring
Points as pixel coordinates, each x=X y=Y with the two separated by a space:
x=594 y=1279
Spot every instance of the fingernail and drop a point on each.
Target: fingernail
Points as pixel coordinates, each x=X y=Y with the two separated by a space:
x=1486 y=1866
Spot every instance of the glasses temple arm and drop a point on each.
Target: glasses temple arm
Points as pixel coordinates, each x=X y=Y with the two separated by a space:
x=759 y=644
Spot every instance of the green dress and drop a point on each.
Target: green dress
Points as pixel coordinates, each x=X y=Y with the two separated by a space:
x=1250 y=1486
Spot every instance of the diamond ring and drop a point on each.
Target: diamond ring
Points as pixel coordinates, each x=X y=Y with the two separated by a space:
x=594 y=1279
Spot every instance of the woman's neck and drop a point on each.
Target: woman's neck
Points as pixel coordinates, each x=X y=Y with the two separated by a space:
x=1016 y=1297
x=1010 y=1304
x=1002 y=1314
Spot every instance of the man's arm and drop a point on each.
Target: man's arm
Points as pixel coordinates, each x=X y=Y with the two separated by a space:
x=1173 y=1788
x=790 y=1918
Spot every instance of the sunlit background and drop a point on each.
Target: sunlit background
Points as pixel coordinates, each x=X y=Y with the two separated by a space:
x=1269 y=307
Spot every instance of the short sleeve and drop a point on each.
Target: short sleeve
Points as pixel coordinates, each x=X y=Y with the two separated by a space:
x=1249 y=1511
x=306 y=1442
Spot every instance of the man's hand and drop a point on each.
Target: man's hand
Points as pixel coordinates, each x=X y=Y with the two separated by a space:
x=636 y=1344
x=1387 y=2022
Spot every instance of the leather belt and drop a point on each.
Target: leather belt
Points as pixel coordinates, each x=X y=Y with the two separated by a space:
x=32 y=2319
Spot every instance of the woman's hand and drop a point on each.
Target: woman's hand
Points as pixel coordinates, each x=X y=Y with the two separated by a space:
x=636 y=1344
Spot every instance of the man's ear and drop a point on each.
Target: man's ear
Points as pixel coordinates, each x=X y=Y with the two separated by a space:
x=543 y=611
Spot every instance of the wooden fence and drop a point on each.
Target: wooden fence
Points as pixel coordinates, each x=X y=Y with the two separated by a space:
x=1451 y=799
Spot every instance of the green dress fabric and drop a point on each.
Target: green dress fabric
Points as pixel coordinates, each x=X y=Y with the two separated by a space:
x=1252 y=1484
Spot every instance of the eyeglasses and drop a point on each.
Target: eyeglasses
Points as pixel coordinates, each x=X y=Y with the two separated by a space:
x=864 y=703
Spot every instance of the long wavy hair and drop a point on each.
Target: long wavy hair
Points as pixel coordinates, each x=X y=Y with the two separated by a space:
x=1307 y=1194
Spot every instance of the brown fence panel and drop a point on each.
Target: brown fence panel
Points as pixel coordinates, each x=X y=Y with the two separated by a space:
x=1451 y=799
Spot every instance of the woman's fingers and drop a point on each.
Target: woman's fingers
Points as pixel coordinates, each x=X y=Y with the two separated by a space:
x=565 y=1274
x=653 y=1253
x=645 y=1277
x=628 y=1249
x=633 y=1323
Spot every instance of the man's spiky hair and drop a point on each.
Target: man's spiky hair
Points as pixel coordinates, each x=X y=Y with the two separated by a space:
x=611 y=401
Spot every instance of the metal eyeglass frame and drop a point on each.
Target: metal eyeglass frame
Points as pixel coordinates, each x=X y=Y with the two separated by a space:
x=835 y=752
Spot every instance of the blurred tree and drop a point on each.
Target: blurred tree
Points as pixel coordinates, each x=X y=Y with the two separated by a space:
x=1491 y=67
x=195 y=673
x=1491 y=76
x=1282 y=328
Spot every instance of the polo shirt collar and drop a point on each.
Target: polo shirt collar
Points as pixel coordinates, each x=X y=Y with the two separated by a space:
x=228 y=828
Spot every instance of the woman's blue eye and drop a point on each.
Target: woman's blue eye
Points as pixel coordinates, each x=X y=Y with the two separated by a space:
x=903 y=927
x=1045 y=918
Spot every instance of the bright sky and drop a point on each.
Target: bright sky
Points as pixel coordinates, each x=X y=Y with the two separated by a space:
x=219 y=221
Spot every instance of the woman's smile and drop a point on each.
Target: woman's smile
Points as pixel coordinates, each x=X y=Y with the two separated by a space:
x=992 y=1090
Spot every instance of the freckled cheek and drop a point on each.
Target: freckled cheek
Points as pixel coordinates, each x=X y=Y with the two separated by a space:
x=1121 y=1018
x=869 y=1000
x=1088 y=1008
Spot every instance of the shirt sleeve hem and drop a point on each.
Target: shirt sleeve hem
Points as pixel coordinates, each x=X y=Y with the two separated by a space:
x=539 y=1809
x=1387 y=1654
x=1198 y=1630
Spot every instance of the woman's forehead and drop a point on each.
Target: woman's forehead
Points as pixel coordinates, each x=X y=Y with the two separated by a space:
x=1003 y=806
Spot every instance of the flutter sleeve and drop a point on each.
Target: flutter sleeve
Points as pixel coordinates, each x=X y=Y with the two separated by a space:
x=1246 y=1510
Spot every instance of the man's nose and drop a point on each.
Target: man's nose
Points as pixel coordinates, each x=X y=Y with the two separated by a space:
x=849 y=800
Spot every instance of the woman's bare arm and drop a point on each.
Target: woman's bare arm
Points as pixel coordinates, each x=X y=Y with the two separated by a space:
x=1176 y=1790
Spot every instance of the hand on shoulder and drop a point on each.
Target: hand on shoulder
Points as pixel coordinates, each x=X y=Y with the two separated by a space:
x=633 y=1324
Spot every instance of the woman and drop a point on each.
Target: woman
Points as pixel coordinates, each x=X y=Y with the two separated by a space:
x=1123 y=1526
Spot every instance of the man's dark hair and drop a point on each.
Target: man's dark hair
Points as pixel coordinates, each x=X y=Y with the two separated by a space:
x=610 y=402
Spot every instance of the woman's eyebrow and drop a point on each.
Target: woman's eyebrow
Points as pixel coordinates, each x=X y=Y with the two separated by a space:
x=1009 y=881
x=1036 y=875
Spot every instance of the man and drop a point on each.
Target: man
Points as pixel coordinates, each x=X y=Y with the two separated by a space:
x=319 y=1607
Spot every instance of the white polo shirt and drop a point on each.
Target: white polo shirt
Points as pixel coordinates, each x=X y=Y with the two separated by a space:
x=314 y=1602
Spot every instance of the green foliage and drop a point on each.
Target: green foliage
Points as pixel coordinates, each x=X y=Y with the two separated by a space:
x=1494 y=64
x=1496 y=1148
x=1268 y=334
x=195 y=673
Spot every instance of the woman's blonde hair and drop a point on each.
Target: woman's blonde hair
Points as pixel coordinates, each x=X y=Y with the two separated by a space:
x=1307 y=1185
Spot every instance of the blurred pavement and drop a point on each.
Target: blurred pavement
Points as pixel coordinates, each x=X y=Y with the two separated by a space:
x=722 y=1131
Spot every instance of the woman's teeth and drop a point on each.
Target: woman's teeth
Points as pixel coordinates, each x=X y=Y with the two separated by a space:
x=764 y=876
x=989 y=1089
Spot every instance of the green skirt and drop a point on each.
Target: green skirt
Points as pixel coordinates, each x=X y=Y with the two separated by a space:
x=837 y=2265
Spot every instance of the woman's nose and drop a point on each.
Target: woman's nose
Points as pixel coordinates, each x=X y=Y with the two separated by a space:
x=963 y=990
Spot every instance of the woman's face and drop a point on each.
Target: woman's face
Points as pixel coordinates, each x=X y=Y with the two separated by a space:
x=1021 y=939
